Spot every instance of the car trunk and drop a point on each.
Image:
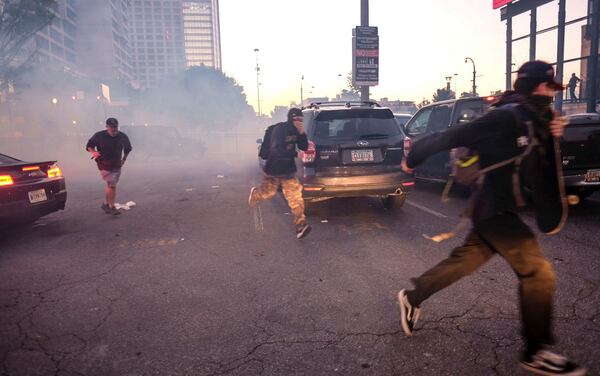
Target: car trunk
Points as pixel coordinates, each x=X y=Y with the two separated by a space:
x=26 y=172
x=357 y=142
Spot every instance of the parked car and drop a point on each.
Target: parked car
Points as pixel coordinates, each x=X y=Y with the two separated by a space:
x=580 y=153
x=402 y=119
x=439 y=116
x=355 y=149
x=29 y=190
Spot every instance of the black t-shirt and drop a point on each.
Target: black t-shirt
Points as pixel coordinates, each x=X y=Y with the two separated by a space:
x=111 y=149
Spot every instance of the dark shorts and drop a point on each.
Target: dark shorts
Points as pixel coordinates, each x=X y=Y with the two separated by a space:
x=111 y=177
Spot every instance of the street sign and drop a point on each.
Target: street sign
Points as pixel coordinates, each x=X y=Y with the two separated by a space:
x=365 y=56
x=499 y=3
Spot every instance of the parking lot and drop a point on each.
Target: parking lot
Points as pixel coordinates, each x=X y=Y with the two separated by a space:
x=193 y=281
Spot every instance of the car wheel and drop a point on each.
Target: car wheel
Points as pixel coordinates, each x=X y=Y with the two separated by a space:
x=393 y=201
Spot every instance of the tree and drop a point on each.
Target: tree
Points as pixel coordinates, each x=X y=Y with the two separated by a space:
x=199 y=96
x=20 y=20
x=443 y=94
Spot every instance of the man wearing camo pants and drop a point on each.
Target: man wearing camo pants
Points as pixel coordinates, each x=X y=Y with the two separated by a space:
x=278 y=149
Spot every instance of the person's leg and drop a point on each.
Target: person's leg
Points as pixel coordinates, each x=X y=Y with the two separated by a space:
x=292 y=190
x=266 y=191
x=462 y=261
x=511 y=238
x=111 y=193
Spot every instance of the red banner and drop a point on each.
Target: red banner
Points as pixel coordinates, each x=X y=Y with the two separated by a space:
x=499 y=3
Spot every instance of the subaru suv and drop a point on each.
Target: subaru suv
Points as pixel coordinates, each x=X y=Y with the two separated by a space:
x=355 y=149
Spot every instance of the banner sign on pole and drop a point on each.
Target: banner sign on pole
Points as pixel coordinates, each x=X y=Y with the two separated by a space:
x=365 y=56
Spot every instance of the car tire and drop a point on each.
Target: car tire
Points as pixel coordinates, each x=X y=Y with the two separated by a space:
x=390 y=202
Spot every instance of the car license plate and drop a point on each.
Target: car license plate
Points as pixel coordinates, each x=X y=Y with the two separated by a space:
x=37 y=196
x=592 y=175
x=365 y=155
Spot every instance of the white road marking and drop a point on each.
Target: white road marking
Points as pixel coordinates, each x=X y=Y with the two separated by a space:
x=427 y=210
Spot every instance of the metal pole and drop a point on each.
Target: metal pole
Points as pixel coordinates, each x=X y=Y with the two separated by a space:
x=560 y=52
x=532 y=34
x=509 y=53
x=456 y=85
x=474 y=75
x=301 y=91
x=364 y=21
x=257 y=82
x=593 y=62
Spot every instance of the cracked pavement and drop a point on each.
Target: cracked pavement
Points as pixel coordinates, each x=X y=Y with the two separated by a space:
x=185 y=284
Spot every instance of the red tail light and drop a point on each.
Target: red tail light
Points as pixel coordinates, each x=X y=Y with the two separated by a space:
x=6 y=180
x=310 y=154
x=490 y=98
x=54 y=171
x=31 y=168
x=407 y=143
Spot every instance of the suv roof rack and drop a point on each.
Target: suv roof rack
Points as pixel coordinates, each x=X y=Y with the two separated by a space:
x=347 y=104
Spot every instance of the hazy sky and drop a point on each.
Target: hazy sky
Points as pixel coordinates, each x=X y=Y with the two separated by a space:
x=421 y=42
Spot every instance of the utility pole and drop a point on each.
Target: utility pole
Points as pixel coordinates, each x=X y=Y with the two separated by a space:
x=257 y=82
x=474 y=75
x=364 y=21
x=301 y=91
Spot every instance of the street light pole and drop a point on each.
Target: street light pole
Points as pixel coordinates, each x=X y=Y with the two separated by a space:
x=455 y=84
x=301 y=91
x=474 y=75
x=257 y=82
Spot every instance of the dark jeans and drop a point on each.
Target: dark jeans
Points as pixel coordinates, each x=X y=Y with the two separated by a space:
x=508 y=236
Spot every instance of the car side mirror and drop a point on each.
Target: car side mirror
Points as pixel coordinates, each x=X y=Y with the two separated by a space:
x=259 y=140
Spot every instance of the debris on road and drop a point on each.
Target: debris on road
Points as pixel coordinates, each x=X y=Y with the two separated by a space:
x=324 y=221
x=220 y=176
x=189 y=189
x=215 y=187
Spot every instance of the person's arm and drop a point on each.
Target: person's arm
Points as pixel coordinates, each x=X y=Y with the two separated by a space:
x=91 y=147
x=302 y=141
x=126 y=150
x=473 y=134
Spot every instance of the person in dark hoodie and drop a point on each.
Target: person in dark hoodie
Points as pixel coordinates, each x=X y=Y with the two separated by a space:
x=278 y=149
x=497 y=229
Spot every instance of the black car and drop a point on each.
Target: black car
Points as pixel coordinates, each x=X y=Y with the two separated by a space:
x=29 y=190
x=355 y=149
x=439 y=116
x=580 y=153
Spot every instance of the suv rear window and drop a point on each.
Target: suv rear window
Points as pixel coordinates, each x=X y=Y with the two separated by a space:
x=354 y=125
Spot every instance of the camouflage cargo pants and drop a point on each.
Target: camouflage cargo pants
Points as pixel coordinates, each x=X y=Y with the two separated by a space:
x=292 y=190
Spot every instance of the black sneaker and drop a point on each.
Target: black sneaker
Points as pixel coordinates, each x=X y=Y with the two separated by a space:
x=409 y=315
x=545 y=362
x=302 y=230
x=114 y=211
x=106 y=208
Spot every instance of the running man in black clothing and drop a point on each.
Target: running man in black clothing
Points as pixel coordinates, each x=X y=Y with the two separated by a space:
x=110 y=149
x=279 y=151
x=497 y=228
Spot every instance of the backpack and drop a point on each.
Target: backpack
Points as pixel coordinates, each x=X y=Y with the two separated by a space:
x=466 y=170
x=265 y=148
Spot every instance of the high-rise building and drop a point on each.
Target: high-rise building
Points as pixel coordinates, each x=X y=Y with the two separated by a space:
x=157 y=39
x=102 y=43
x=55 y=43
x=201 y=30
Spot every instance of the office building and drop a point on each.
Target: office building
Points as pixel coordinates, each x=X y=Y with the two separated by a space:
x=202 y=35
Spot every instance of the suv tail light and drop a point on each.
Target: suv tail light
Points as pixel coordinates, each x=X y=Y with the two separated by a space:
x=310 y=154
x=407 y=144
x=6 y=180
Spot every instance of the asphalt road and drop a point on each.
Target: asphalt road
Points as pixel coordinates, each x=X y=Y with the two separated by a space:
x=192 y=281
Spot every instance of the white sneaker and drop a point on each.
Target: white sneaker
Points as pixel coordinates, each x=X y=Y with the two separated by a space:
x=409 y=315
x=252 y=199
x=545 y=362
